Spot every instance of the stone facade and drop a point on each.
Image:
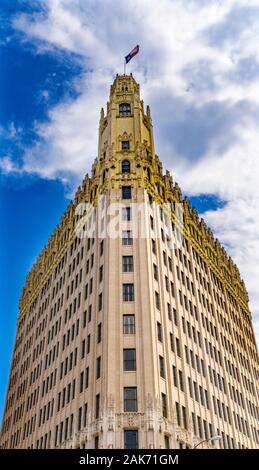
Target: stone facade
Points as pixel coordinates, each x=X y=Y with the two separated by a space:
x=127 y=339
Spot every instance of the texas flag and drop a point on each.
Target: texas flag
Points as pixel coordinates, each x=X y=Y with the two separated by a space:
x=131 y=54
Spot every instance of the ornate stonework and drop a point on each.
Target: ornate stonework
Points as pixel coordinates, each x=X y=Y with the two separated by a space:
x=196 y=364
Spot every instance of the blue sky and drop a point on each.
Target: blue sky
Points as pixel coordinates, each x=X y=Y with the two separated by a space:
x=198 y=68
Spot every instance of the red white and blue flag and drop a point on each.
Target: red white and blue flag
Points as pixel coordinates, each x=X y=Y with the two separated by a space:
x=131 y=54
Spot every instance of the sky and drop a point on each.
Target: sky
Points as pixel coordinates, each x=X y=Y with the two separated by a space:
x=198 y=68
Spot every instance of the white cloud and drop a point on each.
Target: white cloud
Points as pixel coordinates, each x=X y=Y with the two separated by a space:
x=11 y=132
x=193 y=70
x=8 y=166
x=68 y=142
x=237 y=226
x=233 y=177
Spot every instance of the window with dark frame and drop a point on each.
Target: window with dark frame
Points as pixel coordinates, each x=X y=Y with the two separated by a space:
x=124 y=109
x=159 y=332
x=126 y=213
x=126 y=192
x=131 y=439
x=129 y=359
x=98 y=367
x=125 y=166
x=127 y=264
x=164 y=405
x=127 y=237
x=97 y=406
x=161 y=367
x=125 y=145
x=99 y=333
x=128 y=292
x=129 y=324
x=130 y=399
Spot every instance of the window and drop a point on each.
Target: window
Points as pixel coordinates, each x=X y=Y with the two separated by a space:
x=181 y=381
x=175 y=377
x=159 y=332
x=194 y=424
x=130 y=399
x=126 y=213
x=124 y=109
x=169 y=311
x=190 y=387
x=205 y=427
x=125 y=166
x=178 y=350
x=100 y=302
x=129 y=359
x=125 y=145
x=155 y=272
x=99 y=333
x=127 y=264
x=195 y=386
x=157 y=300
x=184 y=417
x=98 y=367
x=79 y=419
x=86 y=377
x=127 y=237
x=81 y=381
x=101 y=274
x=171 y=342
x=89 y=313
x=66 y=429
x=128 y=292
x=88 y=343
x=83 y=349
x=126 y=192
x=162 y=235
x=178 y=413
x=199 y=427
x=161 y=367
x=97 y=406
x=167 y=443
x=130 y=439
x=164 y=405
x=129 y=324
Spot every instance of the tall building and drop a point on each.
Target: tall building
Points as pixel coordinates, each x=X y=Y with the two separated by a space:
x=134 y=328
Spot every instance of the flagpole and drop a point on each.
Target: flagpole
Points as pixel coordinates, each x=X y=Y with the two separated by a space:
x=124 y=66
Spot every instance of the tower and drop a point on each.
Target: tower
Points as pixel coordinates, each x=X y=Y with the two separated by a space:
x=134 y=327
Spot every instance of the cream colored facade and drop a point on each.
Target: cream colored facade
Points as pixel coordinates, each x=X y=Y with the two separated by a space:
x=129 y=341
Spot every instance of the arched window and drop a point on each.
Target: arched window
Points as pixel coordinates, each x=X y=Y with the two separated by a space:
x=125 y=166
x=124 y=109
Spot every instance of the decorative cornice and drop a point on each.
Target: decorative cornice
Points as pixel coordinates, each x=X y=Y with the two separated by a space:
x=163 y=190
x=146 y=172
